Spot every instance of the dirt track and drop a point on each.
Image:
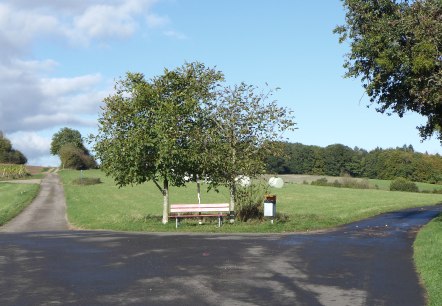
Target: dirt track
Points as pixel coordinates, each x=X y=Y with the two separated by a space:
x=46 y=213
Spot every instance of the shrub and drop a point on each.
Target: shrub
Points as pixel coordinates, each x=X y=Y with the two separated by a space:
x=73 y=157
x=402 y=184
x=87 y=181
x=345 y=182
x=249 y=201
x=349 y=182
x=320 y=182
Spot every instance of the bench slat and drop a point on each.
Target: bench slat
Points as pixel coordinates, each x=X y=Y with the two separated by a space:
x=180 y=208
x=200 y=205
x=199 y=209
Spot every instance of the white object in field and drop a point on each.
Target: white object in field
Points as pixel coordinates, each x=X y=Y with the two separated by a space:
x=276 y=182
x=269 y=209
x=243 y=180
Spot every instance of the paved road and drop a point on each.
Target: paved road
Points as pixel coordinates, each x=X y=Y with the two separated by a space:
x=365 y=263
x=46 y=213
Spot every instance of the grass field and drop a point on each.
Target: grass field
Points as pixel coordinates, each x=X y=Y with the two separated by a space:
x=138 y=208
x=428 y=259
x=14 y=198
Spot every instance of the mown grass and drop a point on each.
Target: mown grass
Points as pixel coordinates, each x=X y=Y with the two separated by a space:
x=428 y=259
x=139 y=208
x=14 y=198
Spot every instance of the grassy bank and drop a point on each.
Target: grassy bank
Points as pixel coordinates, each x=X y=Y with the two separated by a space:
x=14 y=198
x=428 y=259
x=138 y=208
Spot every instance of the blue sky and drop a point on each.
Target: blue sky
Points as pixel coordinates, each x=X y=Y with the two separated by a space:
x=59 y=59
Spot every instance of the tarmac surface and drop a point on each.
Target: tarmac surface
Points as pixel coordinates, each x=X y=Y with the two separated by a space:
x=364 y=263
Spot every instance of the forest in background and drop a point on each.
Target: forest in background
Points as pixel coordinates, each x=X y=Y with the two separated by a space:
x=341 y=160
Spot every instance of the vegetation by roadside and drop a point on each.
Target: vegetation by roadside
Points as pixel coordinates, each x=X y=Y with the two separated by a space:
x=301 y=207
x=428 y=259
x=14 y=198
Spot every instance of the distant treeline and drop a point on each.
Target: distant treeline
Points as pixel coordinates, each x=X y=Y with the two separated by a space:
x=338 y=160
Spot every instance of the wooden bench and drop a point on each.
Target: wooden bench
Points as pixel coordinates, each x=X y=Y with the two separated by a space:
x=199 y=210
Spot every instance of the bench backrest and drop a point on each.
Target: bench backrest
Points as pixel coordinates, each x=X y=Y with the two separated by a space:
x=186 y=208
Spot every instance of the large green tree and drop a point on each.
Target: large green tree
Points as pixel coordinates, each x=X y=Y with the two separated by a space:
x=151 y=130
x=396 y=50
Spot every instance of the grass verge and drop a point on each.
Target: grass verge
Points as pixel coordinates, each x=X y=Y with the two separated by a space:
x=138 y=208
x=428 y=259
x=14 y=198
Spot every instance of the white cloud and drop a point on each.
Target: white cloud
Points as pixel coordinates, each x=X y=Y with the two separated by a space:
x=156 y=21
x=175 y=34
x=31 y=99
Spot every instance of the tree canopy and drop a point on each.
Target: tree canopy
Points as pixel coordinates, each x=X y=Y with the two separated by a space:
x=8 y=154
x=246 y=126
x=66 y=136
x=396 y=50
x=184 y=122
x=68 y=145
x=148 y=129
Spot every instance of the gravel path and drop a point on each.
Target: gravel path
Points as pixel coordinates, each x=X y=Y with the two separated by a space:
x=46 y=213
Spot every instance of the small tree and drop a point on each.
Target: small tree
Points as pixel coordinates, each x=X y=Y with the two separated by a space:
x=66 y=136
x=150 y=130
x=68 y=145
x=245 y=130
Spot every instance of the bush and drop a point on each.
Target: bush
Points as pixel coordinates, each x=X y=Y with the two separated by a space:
x=249 y=201
x=402 y=184
x=73 y=157
x=87 y=181
x=320 y=182
x=345 y=182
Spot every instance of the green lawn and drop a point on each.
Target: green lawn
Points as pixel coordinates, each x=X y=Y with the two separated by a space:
x=138 y=208
x=428 y=259
x=14 y=198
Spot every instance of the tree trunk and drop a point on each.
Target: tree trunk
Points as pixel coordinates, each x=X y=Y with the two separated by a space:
x=165 y=201
x=232 y=188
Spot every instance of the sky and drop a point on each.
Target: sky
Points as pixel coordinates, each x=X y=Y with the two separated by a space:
x=60 y=59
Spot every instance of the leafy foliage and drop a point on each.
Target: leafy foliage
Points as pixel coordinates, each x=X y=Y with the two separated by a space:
x=402 y=184
x=151 y=130
x=396 y=50
x=8 y=154
x=249 y=201
x=66 y=136
x=68 y=145
x=73 y=157
x=245 y=129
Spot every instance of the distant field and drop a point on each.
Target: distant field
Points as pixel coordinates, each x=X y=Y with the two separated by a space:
x=381 y=184
x=14 y=198
x=138 y=208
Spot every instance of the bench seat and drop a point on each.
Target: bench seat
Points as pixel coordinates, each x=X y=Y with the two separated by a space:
x=199 y=210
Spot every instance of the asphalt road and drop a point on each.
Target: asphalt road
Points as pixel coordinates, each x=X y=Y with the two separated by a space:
x=365 y=263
